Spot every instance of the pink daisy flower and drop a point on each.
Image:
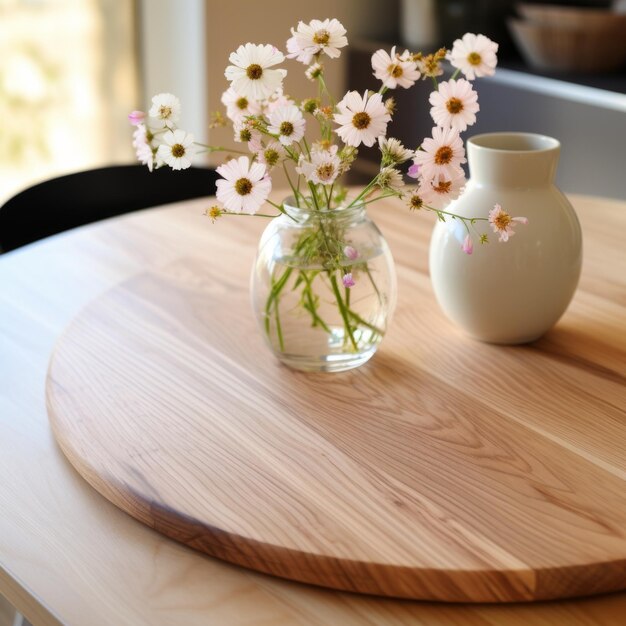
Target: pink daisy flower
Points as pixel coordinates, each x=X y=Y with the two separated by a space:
x=143 y=149
x=474 y=55
x=322 y=167
x=316 y=37
x=443 y=154
x=439 y=191
x=238 y=106
x=245 y=186
x=502 y=223
x=394 y=70
x=455 y=104
x=361 y=119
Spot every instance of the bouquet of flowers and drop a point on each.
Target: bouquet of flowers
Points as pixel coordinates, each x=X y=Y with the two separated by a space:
x=320 y=257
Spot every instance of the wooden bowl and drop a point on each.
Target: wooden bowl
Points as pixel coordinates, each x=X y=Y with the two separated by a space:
x=571 y=17
x=571 y=48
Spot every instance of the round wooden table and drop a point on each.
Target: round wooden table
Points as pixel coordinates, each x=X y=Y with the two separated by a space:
x=69 y=556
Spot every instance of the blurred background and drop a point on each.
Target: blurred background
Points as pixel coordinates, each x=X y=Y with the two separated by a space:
x=71 y=70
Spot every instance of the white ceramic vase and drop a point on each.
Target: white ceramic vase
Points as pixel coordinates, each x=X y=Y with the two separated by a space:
x=509 y=293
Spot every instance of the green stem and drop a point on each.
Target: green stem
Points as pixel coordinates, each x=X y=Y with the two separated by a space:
x=369 y=275
x=248 y=214
x=281 y=209
x=279 y=330
x=342 y=309
x=219 y=148
x=295 y=193
x=456 y=215
x=312 y=308
x=325 y=88
x=277 y=287
x=382 y=197
x=364 y=191
x=361 y=321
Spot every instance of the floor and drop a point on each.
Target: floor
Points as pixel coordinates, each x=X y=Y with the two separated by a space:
x=9 y=616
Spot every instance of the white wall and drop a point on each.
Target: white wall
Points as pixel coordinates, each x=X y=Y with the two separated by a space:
x=173 y=57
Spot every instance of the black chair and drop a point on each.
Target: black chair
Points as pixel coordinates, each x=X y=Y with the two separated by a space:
x=76 y=199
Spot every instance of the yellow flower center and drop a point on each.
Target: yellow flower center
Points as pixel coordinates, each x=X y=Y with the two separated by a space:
x=443 y=186
x=502 y=220
x=286 y=129
x=361 y=120
x=214 y=212
x=474 y=58
x=321 y=37
x=243 y=186
x=416 y=203
x=444 y=155
x=165 y=112
x=254 y=71
x=245 y=134
x=325 y=171
x=271 y=156
x=242 y=103
x=178 y=150
x=454 y=106
x=395 y=70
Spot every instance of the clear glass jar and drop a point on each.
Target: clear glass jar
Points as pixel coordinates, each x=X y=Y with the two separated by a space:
x=323 y=287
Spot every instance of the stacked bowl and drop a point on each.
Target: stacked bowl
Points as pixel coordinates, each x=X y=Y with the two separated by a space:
x=570 y=39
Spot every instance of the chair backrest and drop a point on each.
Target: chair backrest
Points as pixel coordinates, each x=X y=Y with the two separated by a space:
x=76 y=199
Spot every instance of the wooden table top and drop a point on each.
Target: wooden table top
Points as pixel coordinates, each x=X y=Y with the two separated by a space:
x=69 y=556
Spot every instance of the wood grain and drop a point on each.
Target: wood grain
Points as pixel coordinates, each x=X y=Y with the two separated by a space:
x=69 y=556
x=444 y=470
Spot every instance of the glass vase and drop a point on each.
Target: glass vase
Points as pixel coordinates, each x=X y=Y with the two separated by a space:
x=323 y=287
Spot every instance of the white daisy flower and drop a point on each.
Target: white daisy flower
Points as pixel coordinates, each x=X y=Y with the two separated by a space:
x=249 y=74
x=244 y=186
x=390 y=178
x=176 y=149
x=165 y=110
x=393 y=151
x=394 y=70
x=245 y=132
x=270 y=155
x=143 y=149
x=239 y=106
x=322 y=168
x=455 y=104
x=474 y=55
x=286 y=122
x=443 y=154
x=317 y=36
x=361 y=119
x=440 y=190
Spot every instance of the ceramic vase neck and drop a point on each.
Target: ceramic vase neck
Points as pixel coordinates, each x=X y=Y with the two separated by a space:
x=513 y=159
